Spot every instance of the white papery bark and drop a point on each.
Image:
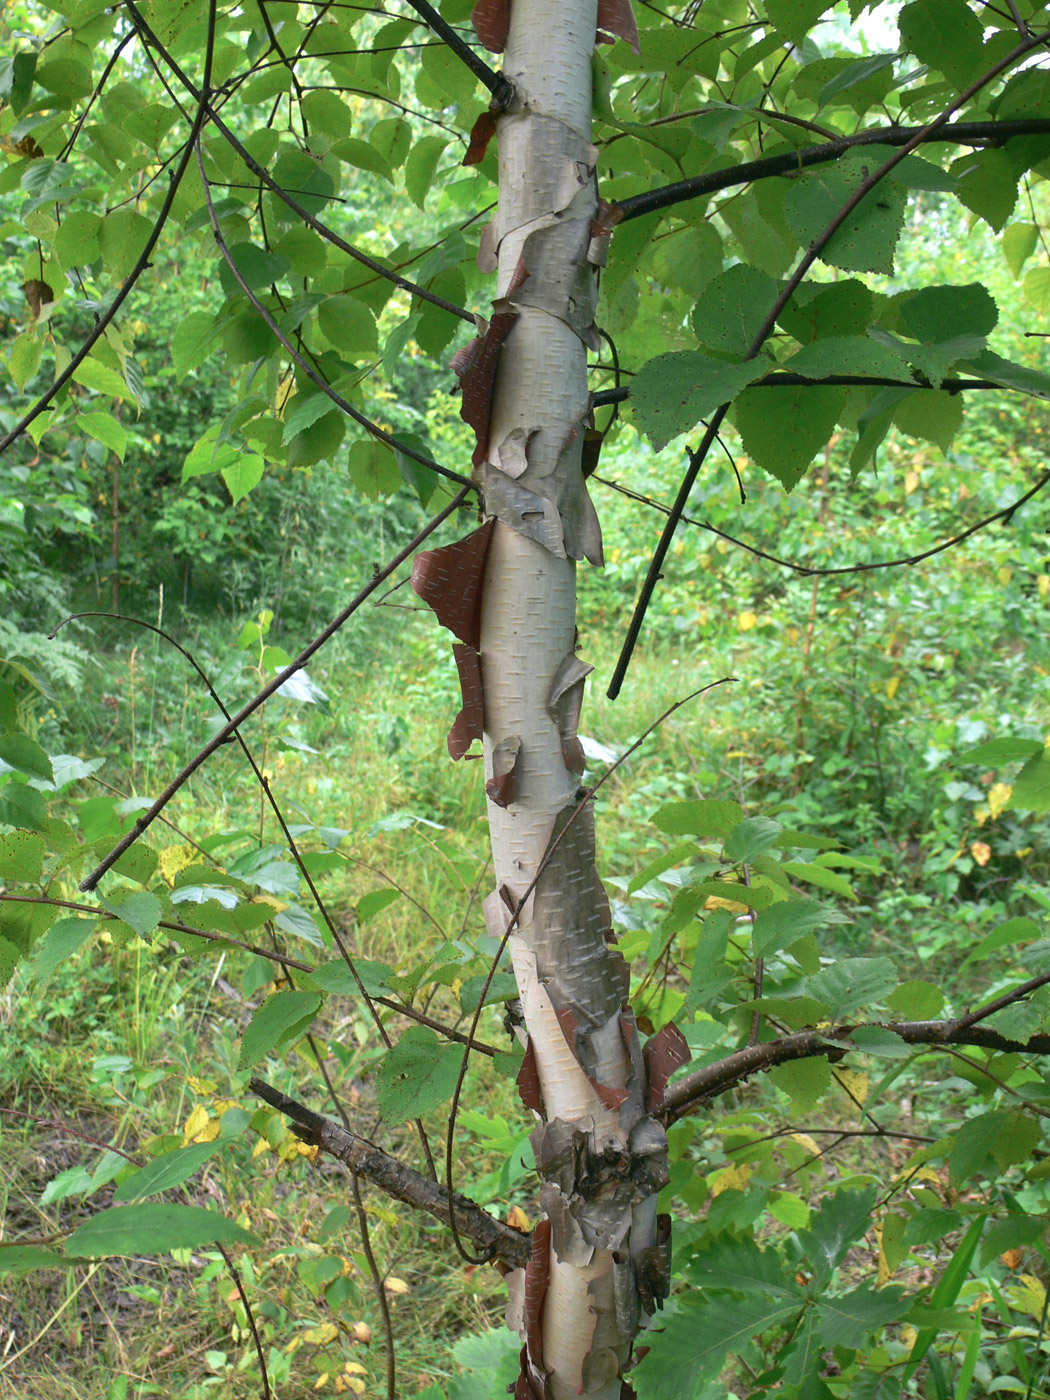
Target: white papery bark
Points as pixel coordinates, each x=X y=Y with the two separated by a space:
x=588 y=1062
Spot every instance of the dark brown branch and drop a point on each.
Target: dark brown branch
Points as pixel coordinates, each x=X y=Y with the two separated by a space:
x=709 y=1081
x=403 y=1183
x=956 y=133
x=499 y=86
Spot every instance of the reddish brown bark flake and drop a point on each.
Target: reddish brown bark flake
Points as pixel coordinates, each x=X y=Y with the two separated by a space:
x=663 y=1054
x=528 y=1080
x=616 y=21
x=468 y=723
x=500 y=787
x=475 y=367
x=491 y=20
x=481 y=133
x=611 y=1098
x=567 y=1021
x=537 y=1274
x=606 y=217
x=449 y=580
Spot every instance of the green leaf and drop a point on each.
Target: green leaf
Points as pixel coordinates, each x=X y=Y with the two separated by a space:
x=878 y=1040
x=843 y=1218
x=60 y=942
x=419 y=1073
x=326 y=111
x=105 y=429
x=196 y=337
x=1021 y=377
x=998 y=751
x=729 y=1263
x=26 y=756
x=152 y=1229
x=930 y=414
x=749 y=838
x=795 y=18
x=335 y=976
x=420 y=167
x=373 y=903
x=373 y=468
x=942 y=313
x=732 y=308
x=141 y=911
x=23 y=1258
x=820 y=876
x=76 y=241
x=916 y=1000
x=350 y=326
x=121 y=239
x=707 y=817
x=947 y=35
x=21 y=857
x=847 y=1320
x=852 y=983
x=1031 y=787
x=847 y=354
x=361 y=154
x=987 y=184
x=783 y=429
x=669 y=395
x=804 y=1081
x=243 y=475
x=692 y=1345
x=866 y=241
x=23 y=806
x=93 y=374
x=1002 y=936
x=783 y=923
x=318 y=441
x=23 y=359
x=281 y=1018
x=165 y=1172
x=947 y=1291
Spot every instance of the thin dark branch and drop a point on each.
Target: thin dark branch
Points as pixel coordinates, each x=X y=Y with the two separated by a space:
x=402 y=1182
x=496 y=83
x=248 y=709
x=785 y=379
x=812 y=571
x=790 y=163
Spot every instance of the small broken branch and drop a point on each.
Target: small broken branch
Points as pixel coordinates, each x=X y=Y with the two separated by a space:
x=398 y=1180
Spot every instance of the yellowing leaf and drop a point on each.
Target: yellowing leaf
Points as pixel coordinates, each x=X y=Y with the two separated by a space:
x=173 y=859
x=981 y=852
x=362 y=1333
x=354 y=1368
x=321 y=1381
x=807 y=1142
x=1027 y=1295
x=518 y=1220
x=396 y=1285
x=733 y=1178
x=1042 y=585
x=854 y=1082
x=998 y=796
x=892 y=686
x=1004 y=575
x=322 y=1335
x=195 y=1123
x=911 y=482
x=746 y=621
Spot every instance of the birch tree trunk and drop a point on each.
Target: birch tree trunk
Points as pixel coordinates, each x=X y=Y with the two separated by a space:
x=600 y=1257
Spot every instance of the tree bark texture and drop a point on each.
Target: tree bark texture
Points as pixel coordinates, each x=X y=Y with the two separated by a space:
x=600 y=1258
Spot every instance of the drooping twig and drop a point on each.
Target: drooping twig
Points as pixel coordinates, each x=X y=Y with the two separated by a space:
x=269 y=689
x=814 y=571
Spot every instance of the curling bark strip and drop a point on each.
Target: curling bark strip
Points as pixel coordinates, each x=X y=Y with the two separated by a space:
x=600 y=1262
